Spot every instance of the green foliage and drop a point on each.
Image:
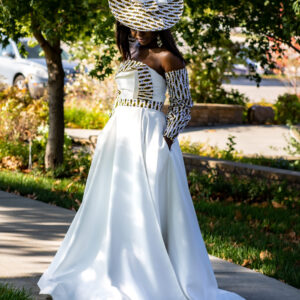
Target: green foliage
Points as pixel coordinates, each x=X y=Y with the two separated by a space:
x=69 y=21
x=213 y=186
x=207 y=23
x=20 y=114
x=287 y=109
x=64 y=192
x=14 y=155
x=208 y=71
x=9 y=292
x=296 y=6
x=83 y=118
x=76 y=164
x=293 y=146
x=228 y=153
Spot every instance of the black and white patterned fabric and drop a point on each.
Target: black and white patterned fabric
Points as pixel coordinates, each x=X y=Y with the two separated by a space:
x=145 y=93
x=179 y=111
x=147 y=15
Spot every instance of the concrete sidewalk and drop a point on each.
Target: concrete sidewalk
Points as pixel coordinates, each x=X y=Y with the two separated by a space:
x=267 y=140
x=31 y=232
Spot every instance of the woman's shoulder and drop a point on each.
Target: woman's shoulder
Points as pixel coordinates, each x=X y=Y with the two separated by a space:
x=169 y=61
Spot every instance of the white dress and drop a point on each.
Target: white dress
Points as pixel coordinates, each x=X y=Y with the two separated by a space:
x=136 y=234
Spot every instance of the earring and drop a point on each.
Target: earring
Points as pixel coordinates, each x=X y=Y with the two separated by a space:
x=159 y=41
x=131 y=39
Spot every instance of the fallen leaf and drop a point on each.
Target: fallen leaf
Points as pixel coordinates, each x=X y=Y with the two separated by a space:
x=292 y=234
x=278 y=205
x=229 y=199
x=246 y=262
x=69 y=185
x=265 y=255
x=238 y=215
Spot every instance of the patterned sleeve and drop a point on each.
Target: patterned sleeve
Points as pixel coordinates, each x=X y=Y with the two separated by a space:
x=179 y=111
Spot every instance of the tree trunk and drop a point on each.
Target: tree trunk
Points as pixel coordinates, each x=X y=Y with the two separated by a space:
x=55 y=143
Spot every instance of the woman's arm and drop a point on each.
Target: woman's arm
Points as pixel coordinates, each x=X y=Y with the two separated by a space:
x=179 y=112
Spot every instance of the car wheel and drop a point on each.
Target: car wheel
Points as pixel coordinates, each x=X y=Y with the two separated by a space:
x=20 y=83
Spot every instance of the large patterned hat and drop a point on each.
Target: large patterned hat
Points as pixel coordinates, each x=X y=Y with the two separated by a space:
x=147 y=15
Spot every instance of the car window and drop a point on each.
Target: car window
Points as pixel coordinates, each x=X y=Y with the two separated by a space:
x=8 y=49
x=37 y=52
x=33 y=52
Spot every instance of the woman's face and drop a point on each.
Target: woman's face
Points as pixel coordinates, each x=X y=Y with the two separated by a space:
x=143 y=37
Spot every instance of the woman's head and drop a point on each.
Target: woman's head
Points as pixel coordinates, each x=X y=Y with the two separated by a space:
x=145 y=38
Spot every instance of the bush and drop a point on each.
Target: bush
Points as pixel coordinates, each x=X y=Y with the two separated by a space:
x=14 y=155
x=293 y=146
x=83 y=118
x=287 y=109
x=207 y=73
x=20 y=114
x=212 y=186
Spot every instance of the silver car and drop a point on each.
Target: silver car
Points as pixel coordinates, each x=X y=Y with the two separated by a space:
x=15 y=68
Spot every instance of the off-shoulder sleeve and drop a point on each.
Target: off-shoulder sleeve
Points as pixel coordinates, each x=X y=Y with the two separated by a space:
x=179 y=111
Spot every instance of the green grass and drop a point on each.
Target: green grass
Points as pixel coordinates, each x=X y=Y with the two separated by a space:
x=9 y=292
x=246 y=221
x=61 y=192
x=260 y=230
x=258 y=238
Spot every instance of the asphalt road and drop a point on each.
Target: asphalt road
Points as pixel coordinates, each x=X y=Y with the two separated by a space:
x=269 y=89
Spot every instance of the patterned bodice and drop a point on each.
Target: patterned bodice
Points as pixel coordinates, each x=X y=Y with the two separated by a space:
x=140 y=85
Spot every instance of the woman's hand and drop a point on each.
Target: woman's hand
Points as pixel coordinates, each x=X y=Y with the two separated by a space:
x=169 y=142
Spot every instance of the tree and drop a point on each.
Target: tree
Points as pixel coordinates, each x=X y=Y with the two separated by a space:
x=206 y=28
x=51 y=22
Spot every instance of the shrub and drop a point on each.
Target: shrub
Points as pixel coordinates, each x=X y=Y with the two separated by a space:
x=90 y=94
x=14 y=155
x=20 y=114
x=83 y=118
x=293 y=146
x=287 y=109
x=211 y=186
x=207 y=73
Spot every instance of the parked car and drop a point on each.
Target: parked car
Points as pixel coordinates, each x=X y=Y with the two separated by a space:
x=250 y=67
x=15 y=68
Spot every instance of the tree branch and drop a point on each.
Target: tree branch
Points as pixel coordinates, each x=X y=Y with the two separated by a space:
x=35 y=26
x=284 y=42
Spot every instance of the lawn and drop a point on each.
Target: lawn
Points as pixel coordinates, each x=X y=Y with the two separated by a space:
x=264 y=239
x=9 y=292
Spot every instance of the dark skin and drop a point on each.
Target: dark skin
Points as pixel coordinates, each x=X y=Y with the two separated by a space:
x=159 y=59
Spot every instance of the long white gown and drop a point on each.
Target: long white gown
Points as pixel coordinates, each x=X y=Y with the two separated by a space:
x=136 y=234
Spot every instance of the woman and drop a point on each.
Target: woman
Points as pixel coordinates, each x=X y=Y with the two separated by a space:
x=136 y=234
